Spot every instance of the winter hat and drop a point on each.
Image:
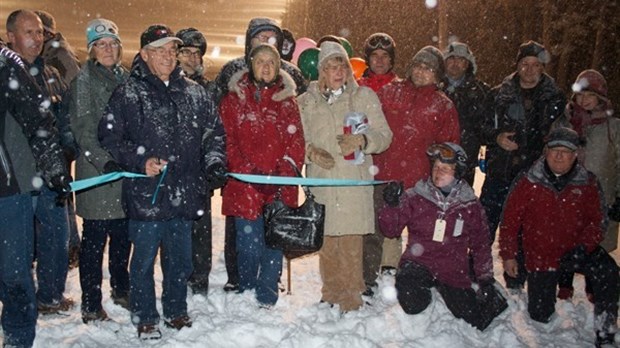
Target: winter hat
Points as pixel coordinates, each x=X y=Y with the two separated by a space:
x=158 y=35
x=329 y=50
x=49 y=23
x=459 y=49
x=330 y=38
x=265 y=49
x=191 y=37
x=431 y=57
x=592 y=81
x=450 y=153
x=258 y=25
x=563 y=136
x=379 y=41
x=100 y=28
x=533 y=49
x=288 y=45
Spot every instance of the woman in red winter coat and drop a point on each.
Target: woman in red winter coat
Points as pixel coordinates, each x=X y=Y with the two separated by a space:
x=263 y=127
x=446 y=225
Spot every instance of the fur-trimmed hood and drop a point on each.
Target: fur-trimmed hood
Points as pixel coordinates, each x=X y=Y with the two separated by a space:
x=240 y=81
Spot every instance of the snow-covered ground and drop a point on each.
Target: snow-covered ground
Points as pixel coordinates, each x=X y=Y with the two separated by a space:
x=298 y=320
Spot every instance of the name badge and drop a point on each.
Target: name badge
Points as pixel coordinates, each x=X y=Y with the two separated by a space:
x=458 y=227
x=440 y=230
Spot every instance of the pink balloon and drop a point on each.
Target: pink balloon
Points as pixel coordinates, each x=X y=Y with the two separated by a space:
x=301 y=45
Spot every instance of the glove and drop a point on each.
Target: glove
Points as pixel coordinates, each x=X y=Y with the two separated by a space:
x=267 y=190
x=486 y=287
x=321 y=157
x=111 y=167
x=614 y=210
x=351 y=142
x=61 y=185
x=392 y=193
x=216 y=176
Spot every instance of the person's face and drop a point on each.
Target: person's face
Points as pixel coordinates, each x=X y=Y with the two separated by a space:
x=160 y=60
x=422 y=75
x=335 y=74
x=264 y=37
x=27 y=39
x=560 y=159
x=107 y=51
x=530 y=69
x=587 y=100
x=443 y=173
x=189 y=59
x=264 y=67
x=456 y=67
x=380 y=62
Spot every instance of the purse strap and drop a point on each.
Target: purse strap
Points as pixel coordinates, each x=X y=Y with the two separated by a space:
x=298 y=173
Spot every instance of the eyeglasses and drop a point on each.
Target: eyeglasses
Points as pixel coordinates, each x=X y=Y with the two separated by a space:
x=445 y=153
x=422 y=67
x=187 y=53
x=266 y=38
x=380 y=41
x=162 y=52
x=103 y=45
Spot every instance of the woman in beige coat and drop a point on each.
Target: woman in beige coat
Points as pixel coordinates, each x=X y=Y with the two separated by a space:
x=349 y=210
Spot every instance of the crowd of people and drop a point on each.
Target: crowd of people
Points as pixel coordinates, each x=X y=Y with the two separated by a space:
x=552 y=185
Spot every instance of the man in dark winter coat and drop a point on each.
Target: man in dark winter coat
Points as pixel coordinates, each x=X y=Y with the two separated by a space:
x=21 y=103
x=158 y=123
x=473 y=100
x=25 y=36
x=526 y=104
x=555 y=213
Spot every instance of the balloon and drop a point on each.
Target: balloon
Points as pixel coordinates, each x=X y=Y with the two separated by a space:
x=359 y=66
x=347 y=46
x=308 y=63
x=301 y=45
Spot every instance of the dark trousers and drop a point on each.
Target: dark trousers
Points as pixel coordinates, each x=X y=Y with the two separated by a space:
x=230 y=250
x=94 y=236
x=414 y=283
x=597 y=266
x=492 y=198
x=202 y=252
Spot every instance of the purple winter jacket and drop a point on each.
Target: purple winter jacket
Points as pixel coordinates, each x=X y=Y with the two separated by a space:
x=419 y=209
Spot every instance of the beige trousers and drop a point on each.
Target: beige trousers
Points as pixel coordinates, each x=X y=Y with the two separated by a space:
x=340 y=264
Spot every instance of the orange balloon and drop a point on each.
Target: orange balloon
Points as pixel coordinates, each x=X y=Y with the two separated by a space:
x=359 y=66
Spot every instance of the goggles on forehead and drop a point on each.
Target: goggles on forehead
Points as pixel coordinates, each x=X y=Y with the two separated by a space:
x=445 y=154
x=380 y=41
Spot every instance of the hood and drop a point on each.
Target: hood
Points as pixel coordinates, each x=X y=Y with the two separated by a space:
x=240 y=82
x=257 y=25
x=461 y=194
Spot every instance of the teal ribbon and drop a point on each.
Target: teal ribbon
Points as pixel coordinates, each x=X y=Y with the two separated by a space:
x=287 y=180
x=161 y=179
x=102 y=179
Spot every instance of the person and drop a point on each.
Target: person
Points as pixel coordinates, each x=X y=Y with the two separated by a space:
x=446 y=224
x=100 y=207
x=526 y=103
x=471 y=97
x=379 y=54
x=420 y=115
x=25 y=37
x=260 y=30
x=558 y=185
x=189 y=56
x=59 y=54
x=38 y=150
x=288 y=45
x=158 y=123
x=349 y=211
x=263 y=128
x=57 y=51
x=589 y=113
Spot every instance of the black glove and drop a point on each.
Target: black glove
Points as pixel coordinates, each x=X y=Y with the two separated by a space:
x=61 y=185
x=614 y=210
x=392 y=193
x=486 y=288
x=111 y=167
x=216 y=176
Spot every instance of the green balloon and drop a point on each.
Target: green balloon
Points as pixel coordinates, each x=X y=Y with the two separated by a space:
x=308 y=63
x=347 y=46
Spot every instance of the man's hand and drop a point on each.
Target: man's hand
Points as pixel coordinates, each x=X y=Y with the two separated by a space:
x=511 y=267
x=504 y=140
x=154 y=166
x=216 y=176
x=61 y=184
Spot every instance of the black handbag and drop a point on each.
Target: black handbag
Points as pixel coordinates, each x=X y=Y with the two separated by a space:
x=295 y=231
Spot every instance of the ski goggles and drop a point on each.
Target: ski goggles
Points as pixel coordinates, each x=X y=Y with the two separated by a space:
x=380 y=42
x=445 y=153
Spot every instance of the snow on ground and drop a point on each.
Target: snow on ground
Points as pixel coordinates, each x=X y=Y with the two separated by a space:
x=299 y=321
